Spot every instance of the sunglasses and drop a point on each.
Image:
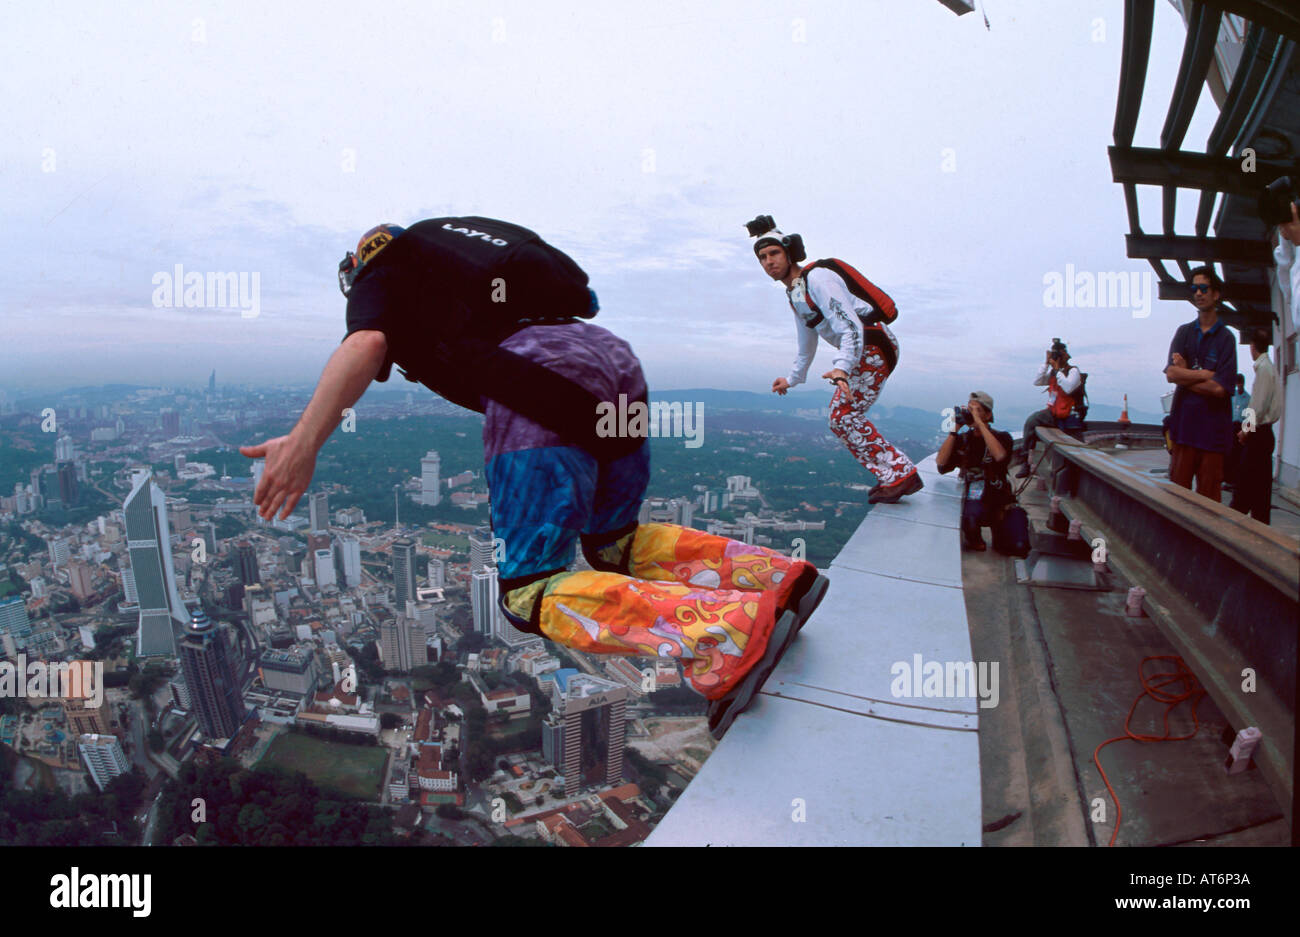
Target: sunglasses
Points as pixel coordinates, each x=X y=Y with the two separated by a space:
x=348 y=268
x=1200 y=287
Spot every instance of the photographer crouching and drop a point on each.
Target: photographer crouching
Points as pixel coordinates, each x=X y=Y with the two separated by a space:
x=1064 y=383
x=983 y=455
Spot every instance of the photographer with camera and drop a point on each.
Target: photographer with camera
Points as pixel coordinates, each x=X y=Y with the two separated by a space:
x=983 y=455
x=1063 y=382
x=832 y=301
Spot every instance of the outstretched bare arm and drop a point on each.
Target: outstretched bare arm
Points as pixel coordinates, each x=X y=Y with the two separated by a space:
x=291 y=459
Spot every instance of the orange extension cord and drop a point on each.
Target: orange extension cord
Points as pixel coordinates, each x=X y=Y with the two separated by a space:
x=1154 y=687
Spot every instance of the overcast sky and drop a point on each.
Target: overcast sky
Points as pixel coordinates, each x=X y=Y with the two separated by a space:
x=955 y=166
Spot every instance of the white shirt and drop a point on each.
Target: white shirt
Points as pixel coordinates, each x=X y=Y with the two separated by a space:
x=1264 y=398
x=1067 y=383
x=840 y=325
x=1288 y=277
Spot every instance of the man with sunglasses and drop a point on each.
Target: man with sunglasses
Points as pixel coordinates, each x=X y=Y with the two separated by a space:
x=488 y=315
x=1202 y=363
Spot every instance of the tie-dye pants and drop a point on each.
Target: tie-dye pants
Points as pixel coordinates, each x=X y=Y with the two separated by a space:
x=664 y=591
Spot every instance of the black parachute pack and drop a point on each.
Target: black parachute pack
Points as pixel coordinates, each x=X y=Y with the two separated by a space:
x=460 y=286
x=1080 y=397
x=883 y=310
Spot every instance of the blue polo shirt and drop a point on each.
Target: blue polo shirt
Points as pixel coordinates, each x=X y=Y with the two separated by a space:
x=1194 y=419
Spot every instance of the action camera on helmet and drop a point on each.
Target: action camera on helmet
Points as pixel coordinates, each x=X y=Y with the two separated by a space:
x=764 y=228
x=1275 y=201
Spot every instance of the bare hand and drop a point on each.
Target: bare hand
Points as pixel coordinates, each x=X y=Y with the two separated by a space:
x=1291 y=230
x=839 y=377
x=288 y=472
x=780 y=386
x=1178 y=361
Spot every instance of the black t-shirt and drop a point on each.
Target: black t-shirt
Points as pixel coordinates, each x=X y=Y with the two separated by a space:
x=981 y=473
x=447 y=291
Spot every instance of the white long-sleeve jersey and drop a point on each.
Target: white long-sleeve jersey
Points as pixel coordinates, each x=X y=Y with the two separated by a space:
x=1288 y=277
x=840 y=325
x=1068 y=382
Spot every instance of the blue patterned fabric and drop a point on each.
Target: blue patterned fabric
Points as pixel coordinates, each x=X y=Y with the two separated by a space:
x=542 y=499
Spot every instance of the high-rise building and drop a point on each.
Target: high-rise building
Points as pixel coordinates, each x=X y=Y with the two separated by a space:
x=148 y=541
x=402 y=644
x=214 y=690
x=347 y=561
x=483 y=601
x=323 y=566
x=480 y=549
x=178 y=513
x=507 y=632
x=63 y=448
x=319 y=512
x=404 y=557
x=58 y=552
x=171 y=422
x=104 y=758
x=66 y=473
x=430 y=492
x=128 y=585
x=292 y=669
x=79 y=579
x=13 y=617
x=246 y=559
x=212 y=382
x=586 y=730
x=208 y=531
x=437 y=573
x=180 y=692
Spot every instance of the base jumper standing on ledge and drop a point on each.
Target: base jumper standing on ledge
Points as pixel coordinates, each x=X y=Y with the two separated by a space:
x=489 y=316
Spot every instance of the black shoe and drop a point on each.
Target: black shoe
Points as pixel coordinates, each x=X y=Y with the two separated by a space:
x=723 y=712
x=888 y=494
x=1025 y=471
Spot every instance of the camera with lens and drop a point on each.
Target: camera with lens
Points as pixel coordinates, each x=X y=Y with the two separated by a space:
x=792 y=243
x=1275 y=201
x=961 y=416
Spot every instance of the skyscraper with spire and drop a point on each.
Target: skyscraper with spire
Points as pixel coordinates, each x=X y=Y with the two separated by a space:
x=213 y=687
x=148 y=542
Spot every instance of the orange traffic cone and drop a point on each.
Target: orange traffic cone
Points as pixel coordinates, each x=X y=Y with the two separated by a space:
x=1123 y=417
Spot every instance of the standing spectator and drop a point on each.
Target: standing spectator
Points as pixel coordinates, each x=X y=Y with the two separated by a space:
x=1202 y=363
x=1254 y=491
x=1288 y=270
x=1240 y=400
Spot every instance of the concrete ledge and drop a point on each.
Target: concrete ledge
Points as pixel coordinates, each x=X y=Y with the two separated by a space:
x=1224 y=589
x=828 y=755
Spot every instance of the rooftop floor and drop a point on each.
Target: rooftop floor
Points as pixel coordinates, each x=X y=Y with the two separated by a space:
x=1074 y=673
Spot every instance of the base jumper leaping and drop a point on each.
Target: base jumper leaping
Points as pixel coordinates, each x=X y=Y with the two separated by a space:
x=491 y=317
x=832 y=301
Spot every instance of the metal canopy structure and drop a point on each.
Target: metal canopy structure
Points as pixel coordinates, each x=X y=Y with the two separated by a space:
x=1258 y=127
